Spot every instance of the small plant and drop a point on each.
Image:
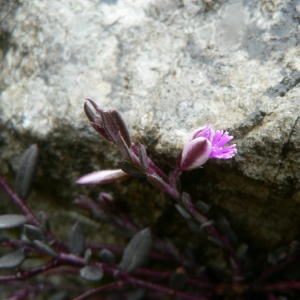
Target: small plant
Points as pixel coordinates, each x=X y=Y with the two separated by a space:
x=117 y=272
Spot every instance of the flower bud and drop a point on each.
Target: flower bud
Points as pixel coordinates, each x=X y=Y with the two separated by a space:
x=102 y=177
x=195 y=153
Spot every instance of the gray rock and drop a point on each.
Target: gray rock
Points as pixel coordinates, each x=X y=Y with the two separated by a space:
x=168 y=67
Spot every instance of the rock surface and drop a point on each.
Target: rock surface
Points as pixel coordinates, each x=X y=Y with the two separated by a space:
x=169 y=67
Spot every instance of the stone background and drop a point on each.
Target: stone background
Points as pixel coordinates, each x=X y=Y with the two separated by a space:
x=169 y=67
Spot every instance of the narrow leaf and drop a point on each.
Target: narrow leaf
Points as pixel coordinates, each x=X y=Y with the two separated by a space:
x=203 y=207
x=157 y=181
x=46 y=248
x=33 y=233
x=97 y=108
x=26 y=172
x=123 y=148
x=76 y=240
x=11 y=260
x=98 y=123
x=91 y=273
x=216 y=241
x=226 y=229
x=143 y=157
x=207 y=224
x=183 y=212
x=88 y=256
x=131 y=170
x=12 y=221
x=121 y=126
x=107 y=257
x=45 y=221
x=195 y=228
x=102 y=131
x=136 y=251
x=109 y=124
x=186 y=200
x=89 y=113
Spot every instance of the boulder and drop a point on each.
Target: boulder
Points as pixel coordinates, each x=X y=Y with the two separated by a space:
x=169 y=67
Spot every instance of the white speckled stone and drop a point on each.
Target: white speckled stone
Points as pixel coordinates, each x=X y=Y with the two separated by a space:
x=168 y=67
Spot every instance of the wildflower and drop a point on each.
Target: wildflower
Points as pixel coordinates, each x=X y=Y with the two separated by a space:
x=102 y=177
x=204 y=144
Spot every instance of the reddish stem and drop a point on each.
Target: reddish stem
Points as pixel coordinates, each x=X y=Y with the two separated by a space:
x=281 y=286
x=20 y=203
x=110 y=270
x=275 y=269
x=105 y=288
x=30 y=273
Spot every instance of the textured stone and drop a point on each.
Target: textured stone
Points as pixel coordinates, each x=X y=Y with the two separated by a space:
x=168 y=67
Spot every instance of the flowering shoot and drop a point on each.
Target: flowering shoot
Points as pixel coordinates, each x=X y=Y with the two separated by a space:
x=203 y=144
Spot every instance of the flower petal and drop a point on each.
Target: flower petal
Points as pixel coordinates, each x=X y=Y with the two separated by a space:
x=206 y=132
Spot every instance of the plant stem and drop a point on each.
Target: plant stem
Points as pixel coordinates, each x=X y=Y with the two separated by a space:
x=30 y=273
x=20 y=203
x=105 y=288
x=64 y=258
x=275 y=269
x=281 y=286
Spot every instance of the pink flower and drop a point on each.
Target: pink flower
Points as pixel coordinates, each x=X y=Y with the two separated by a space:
x=205 y=143
x=102 y=177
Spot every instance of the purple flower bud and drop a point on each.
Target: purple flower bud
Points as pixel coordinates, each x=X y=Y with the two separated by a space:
x=195 y=153
x=102 y=177
x=203 y=144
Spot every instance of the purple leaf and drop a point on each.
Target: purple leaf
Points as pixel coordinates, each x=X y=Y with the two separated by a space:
x=102 y=131
x=143 y=157
x=157 y=181
x=89 y=113
x=123 y=148
x=109 y=124
x=121 y=126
